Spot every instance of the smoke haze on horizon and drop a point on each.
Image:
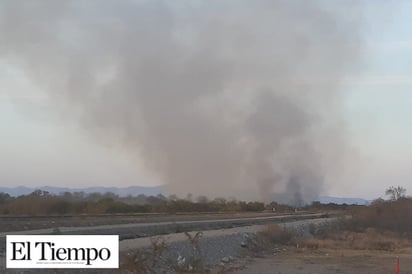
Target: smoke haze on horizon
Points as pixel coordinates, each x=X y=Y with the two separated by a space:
x=218 y=98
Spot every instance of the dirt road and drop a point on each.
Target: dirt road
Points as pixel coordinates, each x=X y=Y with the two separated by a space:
x=330 y=262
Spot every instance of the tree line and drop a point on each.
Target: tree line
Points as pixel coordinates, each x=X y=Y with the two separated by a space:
x=41 y=202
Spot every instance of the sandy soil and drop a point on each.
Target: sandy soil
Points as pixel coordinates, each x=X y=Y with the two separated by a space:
x=329 y=262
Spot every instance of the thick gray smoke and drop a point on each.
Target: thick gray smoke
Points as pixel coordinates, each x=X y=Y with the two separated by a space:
x=221 y=98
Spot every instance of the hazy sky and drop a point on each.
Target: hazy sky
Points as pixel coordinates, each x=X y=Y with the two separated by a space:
x=39 y=146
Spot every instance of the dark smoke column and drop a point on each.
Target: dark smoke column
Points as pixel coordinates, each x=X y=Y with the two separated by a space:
x=220 y=98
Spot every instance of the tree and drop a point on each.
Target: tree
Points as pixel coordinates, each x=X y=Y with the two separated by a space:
x=395 y=193
x=189 y=197
x=202 y=199
x=4 y=197
x=40 y=193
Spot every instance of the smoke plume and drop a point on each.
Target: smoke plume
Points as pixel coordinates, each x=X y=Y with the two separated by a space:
x=220 y=98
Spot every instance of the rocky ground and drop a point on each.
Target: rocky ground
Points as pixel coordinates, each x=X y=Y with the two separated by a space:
x=143 y=227
x=239 y=250
x=211 y=250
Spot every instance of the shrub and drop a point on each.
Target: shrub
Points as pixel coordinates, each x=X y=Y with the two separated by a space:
x=393 y=216
x=276 y=234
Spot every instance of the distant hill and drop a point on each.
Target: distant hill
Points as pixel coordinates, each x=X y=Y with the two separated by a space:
x=340 y=201
x=121 y=191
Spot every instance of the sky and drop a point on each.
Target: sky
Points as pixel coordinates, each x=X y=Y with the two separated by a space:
x=41 y=146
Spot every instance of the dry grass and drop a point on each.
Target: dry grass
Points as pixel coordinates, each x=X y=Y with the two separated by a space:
x=151 y=260
x=195 y=262
x=370 y=239
x=395 y=216
x=144 y=261
x=275 y=234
